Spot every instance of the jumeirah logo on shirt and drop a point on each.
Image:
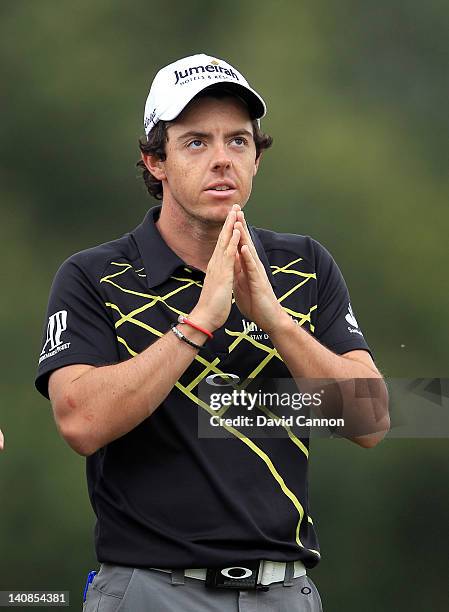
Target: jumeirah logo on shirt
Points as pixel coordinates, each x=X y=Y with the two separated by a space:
x=255 y=332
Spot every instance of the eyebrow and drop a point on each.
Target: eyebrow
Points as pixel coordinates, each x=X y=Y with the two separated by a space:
x=197 y=134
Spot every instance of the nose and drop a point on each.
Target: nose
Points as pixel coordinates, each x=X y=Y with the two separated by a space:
x=221 y=159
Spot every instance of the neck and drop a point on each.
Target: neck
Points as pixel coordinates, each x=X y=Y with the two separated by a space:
x=191 y=238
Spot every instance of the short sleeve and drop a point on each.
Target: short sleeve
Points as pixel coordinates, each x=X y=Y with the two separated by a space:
x=336 y=324
x=77 y=327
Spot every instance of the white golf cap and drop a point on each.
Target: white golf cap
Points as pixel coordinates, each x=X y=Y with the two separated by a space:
x=175 y=85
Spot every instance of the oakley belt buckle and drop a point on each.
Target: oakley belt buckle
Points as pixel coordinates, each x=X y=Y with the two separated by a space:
x=243 y=576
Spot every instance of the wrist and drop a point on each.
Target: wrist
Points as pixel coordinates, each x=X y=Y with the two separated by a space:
x=192 y=337
x=282 y=324
x=188 y=321
x=200 y=317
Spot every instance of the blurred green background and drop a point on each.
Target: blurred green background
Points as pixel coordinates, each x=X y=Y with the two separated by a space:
x=357 y=98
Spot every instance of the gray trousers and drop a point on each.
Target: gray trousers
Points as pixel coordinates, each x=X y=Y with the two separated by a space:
x=125 y=589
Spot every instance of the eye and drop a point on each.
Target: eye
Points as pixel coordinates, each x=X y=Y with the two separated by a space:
x=240 y=141
x=195 y=144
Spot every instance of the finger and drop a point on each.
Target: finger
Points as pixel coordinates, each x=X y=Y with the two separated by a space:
x=232 y=247
x=242 y=219
x=249 y=241
x=246 y=236
x=227 y=229
x=249 y=263
x=239 y=266
x=237 y=263
x=246 y=239
x=240 y=276
x=239 y=286
x=231 y=219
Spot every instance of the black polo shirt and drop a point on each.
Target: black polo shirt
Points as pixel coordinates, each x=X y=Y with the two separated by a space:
x=163 y=496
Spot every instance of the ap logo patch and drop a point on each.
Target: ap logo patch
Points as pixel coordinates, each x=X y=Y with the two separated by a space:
x=57 y=324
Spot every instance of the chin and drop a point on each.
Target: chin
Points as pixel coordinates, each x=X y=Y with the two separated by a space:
x=216 y=211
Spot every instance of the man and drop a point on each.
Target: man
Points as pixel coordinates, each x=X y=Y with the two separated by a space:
x=137 y=325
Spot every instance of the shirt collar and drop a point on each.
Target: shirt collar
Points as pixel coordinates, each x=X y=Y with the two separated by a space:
x=160 y=261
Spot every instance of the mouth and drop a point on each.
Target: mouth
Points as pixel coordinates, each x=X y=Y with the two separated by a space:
x=221 y=190
x=221 y=194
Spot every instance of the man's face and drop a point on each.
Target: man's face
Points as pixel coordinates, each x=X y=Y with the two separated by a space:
x=211 y=159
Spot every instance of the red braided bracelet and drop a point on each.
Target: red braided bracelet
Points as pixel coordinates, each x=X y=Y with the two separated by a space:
x=182 y=319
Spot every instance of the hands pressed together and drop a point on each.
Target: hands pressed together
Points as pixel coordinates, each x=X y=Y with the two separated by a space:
x=235 y=267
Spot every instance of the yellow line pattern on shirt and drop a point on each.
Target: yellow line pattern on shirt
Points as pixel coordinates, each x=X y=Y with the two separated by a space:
x=256 y=449
x=212 y=366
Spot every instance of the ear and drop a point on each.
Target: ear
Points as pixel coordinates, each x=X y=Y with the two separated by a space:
x=256 y=163
x=154 y=165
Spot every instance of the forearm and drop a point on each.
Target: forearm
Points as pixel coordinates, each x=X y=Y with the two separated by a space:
x=363 y=404
x=94 y=406
x=108 y=402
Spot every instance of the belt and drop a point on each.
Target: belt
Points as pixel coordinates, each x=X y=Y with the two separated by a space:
x=269 y=571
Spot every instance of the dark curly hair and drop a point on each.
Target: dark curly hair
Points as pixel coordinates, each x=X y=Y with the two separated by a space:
x=155 y=144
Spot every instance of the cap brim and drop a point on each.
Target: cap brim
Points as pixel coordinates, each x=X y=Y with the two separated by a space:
x=255 y=103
